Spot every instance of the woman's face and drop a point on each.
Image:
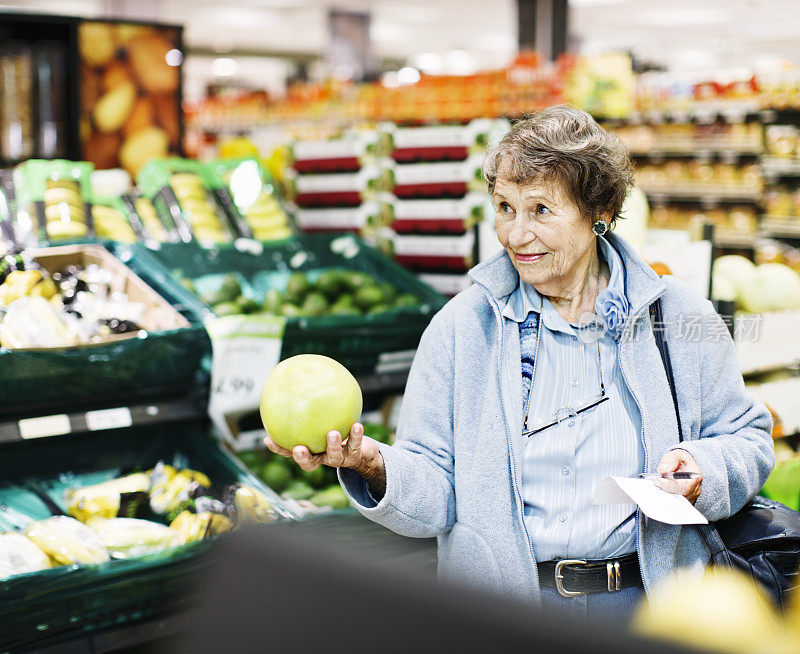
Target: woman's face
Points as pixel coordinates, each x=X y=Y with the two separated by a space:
x=543 y=232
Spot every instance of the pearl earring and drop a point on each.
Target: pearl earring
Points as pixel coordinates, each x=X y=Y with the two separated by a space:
x=599 y=227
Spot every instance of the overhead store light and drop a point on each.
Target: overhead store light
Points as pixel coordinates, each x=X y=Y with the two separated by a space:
x=224 y=67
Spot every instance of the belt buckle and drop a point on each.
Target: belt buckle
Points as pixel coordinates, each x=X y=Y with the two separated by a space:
x=614 y=576
x=560 y=578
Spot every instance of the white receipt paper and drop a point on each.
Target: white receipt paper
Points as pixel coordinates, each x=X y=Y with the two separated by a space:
x=655 y=503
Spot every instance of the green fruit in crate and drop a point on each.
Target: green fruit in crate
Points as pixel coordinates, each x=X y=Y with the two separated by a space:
x=389 y=292
x=368 y=296
x=252 y=458
x=333 y=496
x=316 y=477
x=272 y=301
x=298 y=490
x=226 y=309
x=330 y=283
x=305 y=397
x=230 y=289
x=315 y=304
x=188 y=284
x=344 y=310
x=355 y=280
x=276 y=475
x=406 y=300
x=379 y=308
x=290 y=310
x=247 y=305
x=297 y=287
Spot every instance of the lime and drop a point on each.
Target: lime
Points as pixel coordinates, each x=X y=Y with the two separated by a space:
x=252 y=458
x=389 y=291
x=330 y=283
x=355 y=280
x=315 y=477
x=276 y=475
x=227 y=309
x=297 y=287
x=291 y=310
x=406 y=300
x=298 y=490
x=379 y=308
x=315 y=304
x=247 y=305
x=333 y=496
x=230 y=289
x=272 y=301
x=368 y=296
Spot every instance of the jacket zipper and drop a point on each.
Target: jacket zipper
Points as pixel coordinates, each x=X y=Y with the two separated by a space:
x=640 y=519
x=518 y=492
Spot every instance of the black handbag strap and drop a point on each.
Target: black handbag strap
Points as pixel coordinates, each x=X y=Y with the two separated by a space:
x=714 y=542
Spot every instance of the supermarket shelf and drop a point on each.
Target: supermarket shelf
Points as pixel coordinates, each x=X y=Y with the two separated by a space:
x=701 y=112
x=780 y=166
x=64 y=424
x=787 y=228
x=738 y=241
x=710 y=195
x=697 y=151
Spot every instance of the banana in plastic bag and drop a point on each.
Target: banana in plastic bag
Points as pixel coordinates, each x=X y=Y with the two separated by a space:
x=19 y=554
x=252 y=506
x=196 y=526
x=127 y=537
x=124 y=497
x=170 y=488
x=67 y=541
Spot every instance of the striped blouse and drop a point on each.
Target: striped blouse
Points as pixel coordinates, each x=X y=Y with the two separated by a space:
x=564 y=464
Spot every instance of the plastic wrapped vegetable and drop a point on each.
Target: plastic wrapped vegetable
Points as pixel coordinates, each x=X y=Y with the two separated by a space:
x=252 y=506
x=67 y=541
x=127 y=537
x=197 y=526
x=19 y=554
x=33 y=322
x=171 y=488
x=124 y=497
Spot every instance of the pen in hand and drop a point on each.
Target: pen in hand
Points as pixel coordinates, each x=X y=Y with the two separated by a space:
x=669 y=475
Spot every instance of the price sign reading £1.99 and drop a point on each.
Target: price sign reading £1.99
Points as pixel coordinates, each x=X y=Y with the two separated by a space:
x=245 y=350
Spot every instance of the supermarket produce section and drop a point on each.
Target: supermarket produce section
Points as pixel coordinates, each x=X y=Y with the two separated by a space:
x=146 y=292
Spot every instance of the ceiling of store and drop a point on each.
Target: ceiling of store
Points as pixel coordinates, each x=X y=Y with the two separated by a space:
x=685 y=34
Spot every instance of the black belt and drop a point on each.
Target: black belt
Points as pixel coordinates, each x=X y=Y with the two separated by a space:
x=577 y=577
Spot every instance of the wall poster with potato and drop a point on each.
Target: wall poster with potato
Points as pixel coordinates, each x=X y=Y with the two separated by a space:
x=130 y=93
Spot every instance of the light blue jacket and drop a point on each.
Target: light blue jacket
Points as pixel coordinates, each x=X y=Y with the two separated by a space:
x=455 y=473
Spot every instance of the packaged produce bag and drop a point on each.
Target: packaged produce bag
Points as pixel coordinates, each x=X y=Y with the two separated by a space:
x=67 y=541
x=127 y=537
x=19 y=554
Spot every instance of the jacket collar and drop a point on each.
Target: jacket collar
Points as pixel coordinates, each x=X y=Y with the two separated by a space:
x=642 y=285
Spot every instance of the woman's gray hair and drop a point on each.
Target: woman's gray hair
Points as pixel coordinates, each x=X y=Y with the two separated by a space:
x=566 y=144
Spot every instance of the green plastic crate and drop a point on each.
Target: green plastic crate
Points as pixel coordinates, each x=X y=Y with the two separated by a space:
x=162 y=364
x=64 y=602
x=357 y=342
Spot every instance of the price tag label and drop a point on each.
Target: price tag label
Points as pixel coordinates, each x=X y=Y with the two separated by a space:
x=44 y=426
x=109 y=419
x=245 y=350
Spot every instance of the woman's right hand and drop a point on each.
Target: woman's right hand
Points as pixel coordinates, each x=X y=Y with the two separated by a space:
x=359 y=453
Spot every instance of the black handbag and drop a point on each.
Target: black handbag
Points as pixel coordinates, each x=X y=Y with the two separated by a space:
x=763 y=538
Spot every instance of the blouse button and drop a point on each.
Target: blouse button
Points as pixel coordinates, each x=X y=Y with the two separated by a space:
x=571 y=423
x=573 y=383
x=563 y=517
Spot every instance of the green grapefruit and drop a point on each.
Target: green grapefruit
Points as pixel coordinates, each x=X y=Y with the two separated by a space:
x=305 y=397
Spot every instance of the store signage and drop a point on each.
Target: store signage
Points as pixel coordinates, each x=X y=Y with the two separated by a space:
x=245 y=350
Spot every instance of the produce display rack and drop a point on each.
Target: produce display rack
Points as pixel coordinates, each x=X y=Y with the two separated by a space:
x=117 y=417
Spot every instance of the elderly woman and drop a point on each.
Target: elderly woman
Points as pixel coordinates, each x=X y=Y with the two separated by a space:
x=517 y=405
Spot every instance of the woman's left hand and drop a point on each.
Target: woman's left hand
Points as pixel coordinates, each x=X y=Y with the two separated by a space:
x=680 y=460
